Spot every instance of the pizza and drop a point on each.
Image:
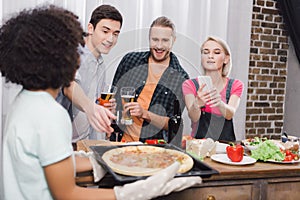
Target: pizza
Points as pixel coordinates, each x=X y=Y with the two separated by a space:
x=145 y=160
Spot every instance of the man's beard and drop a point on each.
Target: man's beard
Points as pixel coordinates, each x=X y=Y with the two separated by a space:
x=165 y=57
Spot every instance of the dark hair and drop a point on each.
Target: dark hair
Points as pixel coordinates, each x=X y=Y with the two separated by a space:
x=38 y=48
x=105 y=12
x=164 y=22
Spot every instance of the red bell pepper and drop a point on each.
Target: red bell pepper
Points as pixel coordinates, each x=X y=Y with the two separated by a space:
x=155 y=141
x=235 y=152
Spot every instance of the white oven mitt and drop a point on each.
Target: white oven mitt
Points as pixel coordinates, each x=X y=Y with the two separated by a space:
x=159 y=184
x=98 y=171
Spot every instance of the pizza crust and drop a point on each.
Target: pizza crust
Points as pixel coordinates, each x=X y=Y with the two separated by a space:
x=186 y=162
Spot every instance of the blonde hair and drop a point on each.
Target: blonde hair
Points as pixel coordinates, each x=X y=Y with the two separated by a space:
x=226 y=67
x=164 y=22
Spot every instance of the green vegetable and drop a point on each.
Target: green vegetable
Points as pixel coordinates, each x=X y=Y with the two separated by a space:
x=195 y=155
x=267 y=151
x=257 y=140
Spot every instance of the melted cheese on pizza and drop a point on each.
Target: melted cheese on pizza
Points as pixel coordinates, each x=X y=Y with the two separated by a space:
x=146 y=159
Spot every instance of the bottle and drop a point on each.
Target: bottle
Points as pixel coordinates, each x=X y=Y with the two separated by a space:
x=116 y=124
x=174 y=126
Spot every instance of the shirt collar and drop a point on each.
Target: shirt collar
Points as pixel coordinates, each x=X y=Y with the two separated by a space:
x=86 y=51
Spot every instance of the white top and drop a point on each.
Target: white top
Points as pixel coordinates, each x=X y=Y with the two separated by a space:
x=37 y=133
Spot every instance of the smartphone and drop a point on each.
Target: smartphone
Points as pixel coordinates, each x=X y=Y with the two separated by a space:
x=205 y=80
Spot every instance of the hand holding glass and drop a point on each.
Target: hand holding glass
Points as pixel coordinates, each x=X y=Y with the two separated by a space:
x=108 y=92
x=127 y=95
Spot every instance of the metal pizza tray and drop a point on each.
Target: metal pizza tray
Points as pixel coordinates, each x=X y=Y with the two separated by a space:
x=199 y=168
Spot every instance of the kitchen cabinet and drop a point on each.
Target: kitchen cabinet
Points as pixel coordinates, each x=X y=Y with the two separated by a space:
x=258 y=181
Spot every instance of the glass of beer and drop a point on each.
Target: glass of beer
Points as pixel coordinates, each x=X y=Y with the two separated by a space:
x=107 y=92
x=127 y=95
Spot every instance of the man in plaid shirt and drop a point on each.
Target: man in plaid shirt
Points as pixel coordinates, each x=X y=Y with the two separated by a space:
x=157 y=77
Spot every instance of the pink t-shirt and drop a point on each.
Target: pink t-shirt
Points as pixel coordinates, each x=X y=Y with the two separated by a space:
x=188 y=87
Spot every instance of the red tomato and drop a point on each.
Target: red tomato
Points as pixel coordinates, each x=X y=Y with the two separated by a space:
x=288 y=158
x=288 y=152
x=151 y=142
x=155 y=141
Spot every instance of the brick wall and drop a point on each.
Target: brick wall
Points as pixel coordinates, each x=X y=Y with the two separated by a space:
x=267 y=71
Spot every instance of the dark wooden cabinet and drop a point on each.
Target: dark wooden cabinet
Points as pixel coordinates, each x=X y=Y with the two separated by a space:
x=260 y=181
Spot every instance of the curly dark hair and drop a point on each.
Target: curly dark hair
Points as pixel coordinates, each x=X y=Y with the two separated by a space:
x=38 y=48
x=105 y=12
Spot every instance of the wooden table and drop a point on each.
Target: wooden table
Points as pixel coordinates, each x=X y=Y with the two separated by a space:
x=257 y=181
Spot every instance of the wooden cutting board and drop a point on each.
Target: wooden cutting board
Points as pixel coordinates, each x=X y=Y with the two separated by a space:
x=85 y=144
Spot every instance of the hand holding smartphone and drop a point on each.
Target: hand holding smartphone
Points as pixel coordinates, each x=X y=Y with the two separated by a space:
x=205 y=80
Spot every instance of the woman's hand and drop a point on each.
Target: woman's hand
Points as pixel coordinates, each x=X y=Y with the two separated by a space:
x=215 y=98
x=202 y=97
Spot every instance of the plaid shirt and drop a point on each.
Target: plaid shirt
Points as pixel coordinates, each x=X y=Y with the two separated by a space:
x=133 y=72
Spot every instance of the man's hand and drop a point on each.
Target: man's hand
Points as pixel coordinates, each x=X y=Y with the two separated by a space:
x=135 y=109
x=99 y=117
x=112 y=105
x=156 y=120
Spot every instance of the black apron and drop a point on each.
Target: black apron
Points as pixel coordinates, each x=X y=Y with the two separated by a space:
x=214 y=126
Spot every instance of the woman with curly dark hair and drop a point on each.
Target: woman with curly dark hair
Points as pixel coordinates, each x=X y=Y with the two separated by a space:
x=33 y=49
x=38 y=50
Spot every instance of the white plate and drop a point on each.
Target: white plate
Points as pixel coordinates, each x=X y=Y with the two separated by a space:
x=284 y=162
x=222 y=158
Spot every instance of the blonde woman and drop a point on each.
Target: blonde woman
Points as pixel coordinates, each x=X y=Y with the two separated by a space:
x=211 y=109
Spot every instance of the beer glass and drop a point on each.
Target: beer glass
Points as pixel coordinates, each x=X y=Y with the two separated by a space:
x=107 y=92
x=127 y=95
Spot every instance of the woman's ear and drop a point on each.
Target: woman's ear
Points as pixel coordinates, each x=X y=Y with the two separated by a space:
x=90 y=28
x=227 y=59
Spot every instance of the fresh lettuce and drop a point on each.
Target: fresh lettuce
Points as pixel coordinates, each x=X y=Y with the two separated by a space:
x=195 y=155
x=267 y=151
x=257 y=141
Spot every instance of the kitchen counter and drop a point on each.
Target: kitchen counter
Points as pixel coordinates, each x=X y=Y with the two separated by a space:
x=262 y=180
